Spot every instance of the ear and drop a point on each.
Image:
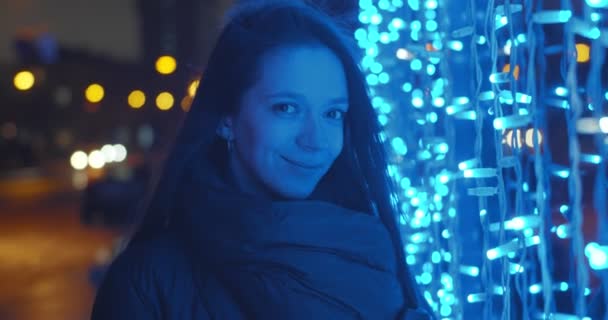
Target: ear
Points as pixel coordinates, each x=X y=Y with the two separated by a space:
x=224 y=128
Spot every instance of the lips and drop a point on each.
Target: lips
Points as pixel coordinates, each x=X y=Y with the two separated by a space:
x=304 y=165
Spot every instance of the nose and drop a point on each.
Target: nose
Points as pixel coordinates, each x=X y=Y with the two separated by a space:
x=312 y=135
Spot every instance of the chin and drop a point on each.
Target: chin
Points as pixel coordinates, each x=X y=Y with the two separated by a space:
x=295 y=193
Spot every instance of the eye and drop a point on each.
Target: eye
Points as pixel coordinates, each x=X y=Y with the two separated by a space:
x=337 y=114
x=284 y=107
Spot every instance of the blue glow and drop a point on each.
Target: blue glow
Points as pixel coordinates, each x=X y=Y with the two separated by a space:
x=416 y=65
x=407 y=87
x=521 y=38
x=595 y=17
x=372 y=51
x=399 y=146
x=594 y=33
x=383 y=119
x=430 y=69
x=364 y=17
x=376 y=68
x=597 y=255
x=414 y=4
x=562 y=173
x=431 y=4
x=394 y=36
x=416 y=25
x=431 y=25
x=398 y=23
x=426 y=278
x=415 y=35
x=501 y=22
x=385 y=38
x=436 y=257
x=386 y=108
x=398 y=3
x=405 y=183
x=597 y=3
x=606 y=96
x=376 y=19
x=591 y=158
x=535 y=288
x=377 y=102
x=564 y=209
x=561 y=91
x=430 y=14
x=562 y=231
x=443 y=147
x=445 y=234
x=365 y=4
x=361 y=34
x=417 y=102
x=384 y=4
x=481 y=40
x=455 y=45
x=445 y=310
x=439 y=102
x=432 y=117
x=384 y=78
x=372 y=79
x=461 y=100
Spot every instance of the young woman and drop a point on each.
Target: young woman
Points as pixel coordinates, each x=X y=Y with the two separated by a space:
x=274 y=202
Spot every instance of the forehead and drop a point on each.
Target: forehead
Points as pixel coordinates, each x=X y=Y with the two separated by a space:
x=315 y=72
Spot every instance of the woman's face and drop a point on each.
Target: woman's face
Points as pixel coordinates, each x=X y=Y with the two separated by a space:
x=289 y=129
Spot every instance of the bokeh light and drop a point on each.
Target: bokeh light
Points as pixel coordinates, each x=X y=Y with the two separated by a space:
x=109 y=153
x=136 y=99
x=192 y=88
x=94 y=93
x=96 y=159
x=24 y=80
x=582 y=52
x=120 y=152
x=79 y=160
x=165 y=101
x=166 y=65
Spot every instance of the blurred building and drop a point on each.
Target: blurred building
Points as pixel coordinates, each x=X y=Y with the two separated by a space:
x=184 y=29
x=54 y=115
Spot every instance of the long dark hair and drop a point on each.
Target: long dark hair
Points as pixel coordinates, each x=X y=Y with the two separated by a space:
x=358 y=178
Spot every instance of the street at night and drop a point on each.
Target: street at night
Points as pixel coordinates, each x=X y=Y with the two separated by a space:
x=46 y=254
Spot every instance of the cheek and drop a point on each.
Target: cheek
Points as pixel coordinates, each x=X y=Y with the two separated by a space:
x=260 y=140
x=337 y=143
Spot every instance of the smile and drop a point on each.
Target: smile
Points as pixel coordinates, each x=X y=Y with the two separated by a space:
x=303 y=165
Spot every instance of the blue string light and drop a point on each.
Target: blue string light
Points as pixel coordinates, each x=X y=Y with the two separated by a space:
x=410 y=61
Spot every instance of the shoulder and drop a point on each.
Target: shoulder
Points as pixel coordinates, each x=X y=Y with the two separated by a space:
x=151 y=262
x=144 y=278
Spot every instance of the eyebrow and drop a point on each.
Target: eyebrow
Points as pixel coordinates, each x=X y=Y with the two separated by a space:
x=298 y=96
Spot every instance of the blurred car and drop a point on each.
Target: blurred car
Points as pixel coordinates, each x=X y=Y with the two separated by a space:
x=113 y=200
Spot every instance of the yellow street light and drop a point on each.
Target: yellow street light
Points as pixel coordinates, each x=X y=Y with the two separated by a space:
x=94 y=93
x=164 y=101
x=24 y=80
x=166 y=64
x=136 y=99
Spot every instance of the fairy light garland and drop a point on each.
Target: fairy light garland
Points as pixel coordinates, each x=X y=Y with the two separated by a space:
x=412 y=51
x=419 y=159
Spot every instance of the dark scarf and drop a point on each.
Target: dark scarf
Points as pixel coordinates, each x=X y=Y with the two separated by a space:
x=293 y=259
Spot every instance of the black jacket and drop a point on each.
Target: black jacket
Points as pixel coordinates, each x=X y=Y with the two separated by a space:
x=229 y=257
